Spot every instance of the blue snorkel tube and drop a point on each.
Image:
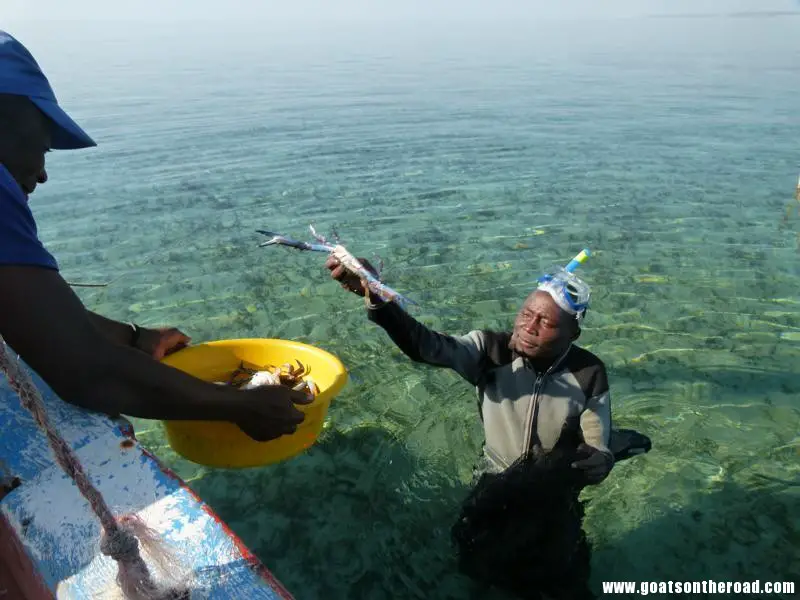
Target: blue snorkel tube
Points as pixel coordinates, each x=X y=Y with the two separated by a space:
x=578 y=260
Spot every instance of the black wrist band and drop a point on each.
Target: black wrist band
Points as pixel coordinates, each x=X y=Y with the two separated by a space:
x=135 y=334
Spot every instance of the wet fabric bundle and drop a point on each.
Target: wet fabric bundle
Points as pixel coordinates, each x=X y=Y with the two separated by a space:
x=521 y=530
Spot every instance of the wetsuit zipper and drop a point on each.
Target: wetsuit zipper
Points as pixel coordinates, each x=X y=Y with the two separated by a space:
x=533 y=417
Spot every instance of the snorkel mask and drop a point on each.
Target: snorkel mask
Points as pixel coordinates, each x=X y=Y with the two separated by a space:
x=568 y=290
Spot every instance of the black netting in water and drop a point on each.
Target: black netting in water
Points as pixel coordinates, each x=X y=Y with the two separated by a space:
x=521 y=530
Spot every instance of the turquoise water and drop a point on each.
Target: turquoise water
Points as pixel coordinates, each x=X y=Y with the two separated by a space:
x=469 y=158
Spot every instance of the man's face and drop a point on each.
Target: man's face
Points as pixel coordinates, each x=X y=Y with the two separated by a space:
x=24 y=143
x=542 y=329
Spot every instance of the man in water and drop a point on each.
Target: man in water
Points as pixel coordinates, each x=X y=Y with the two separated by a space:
x=89 y=360
x=537 y=392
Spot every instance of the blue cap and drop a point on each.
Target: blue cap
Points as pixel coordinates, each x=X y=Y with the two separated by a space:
x=20 y=75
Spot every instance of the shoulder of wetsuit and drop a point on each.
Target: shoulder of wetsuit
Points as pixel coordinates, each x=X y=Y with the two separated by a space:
x=496 y=347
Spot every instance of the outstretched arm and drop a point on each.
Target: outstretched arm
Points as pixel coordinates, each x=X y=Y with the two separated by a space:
x=469 y=355
x=464 y=354
x=45 y=323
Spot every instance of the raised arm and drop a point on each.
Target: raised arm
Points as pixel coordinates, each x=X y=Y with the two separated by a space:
x=469 y=355
x=464 y=354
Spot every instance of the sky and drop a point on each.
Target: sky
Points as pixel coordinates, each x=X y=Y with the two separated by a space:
x=178 y=10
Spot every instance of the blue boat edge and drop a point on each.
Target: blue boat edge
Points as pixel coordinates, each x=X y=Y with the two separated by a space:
x=53 y=545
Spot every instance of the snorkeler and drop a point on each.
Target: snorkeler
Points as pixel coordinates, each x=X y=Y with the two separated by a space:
x=537 y=392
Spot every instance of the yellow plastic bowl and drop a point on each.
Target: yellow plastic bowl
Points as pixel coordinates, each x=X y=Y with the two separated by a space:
x=223 y=444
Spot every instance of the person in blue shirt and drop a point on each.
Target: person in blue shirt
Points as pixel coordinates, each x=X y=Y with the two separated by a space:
x=89 y=360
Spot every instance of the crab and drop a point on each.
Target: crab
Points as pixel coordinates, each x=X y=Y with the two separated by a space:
x=297 y=378
x=241 y=376
x=289 y=375
x=308 y=386
x=286 y=374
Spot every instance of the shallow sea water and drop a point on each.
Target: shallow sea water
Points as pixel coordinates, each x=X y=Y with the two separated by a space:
x=468 y=158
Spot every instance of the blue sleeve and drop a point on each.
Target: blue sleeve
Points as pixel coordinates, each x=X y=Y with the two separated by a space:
x=19 y=239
